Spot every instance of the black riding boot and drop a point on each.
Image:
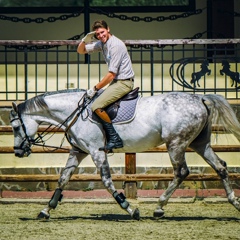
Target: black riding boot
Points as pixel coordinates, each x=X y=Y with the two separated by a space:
x=113 y=139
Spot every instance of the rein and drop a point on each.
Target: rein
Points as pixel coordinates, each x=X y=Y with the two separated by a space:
x=39 y=140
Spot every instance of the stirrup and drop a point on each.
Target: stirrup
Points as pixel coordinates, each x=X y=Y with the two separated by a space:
x=109 y=149
x=104 y=149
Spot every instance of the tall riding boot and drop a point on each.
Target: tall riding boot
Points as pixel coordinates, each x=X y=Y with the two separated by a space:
x=113 y=139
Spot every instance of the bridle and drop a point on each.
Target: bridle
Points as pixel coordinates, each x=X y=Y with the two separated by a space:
x=25 y=138
x=39 y=140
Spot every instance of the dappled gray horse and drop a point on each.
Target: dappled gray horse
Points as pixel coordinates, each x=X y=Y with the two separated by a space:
x=178 y=119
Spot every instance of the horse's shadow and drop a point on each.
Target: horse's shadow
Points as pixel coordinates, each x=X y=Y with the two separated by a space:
x=127 y=218
x=203 y=218
x=96 y=217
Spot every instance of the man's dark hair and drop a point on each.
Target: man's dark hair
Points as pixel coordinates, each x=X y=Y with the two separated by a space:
x=99 y=24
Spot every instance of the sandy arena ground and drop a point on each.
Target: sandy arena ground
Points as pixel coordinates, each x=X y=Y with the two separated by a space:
x=106 y=221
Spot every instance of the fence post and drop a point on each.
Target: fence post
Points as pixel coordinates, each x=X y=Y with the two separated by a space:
x=86 y=25
x=130 y=188
x=26 y=71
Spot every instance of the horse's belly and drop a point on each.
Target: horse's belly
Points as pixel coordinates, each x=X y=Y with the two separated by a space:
x=139 y=138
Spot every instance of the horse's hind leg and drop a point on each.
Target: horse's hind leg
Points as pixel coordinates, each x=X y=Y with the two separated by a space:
x=74 y=160
x=181 y=171
x=220 y=167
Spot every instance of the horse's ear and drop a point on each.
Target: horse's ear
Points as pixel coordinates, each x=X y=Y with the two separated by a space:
x=14 y=105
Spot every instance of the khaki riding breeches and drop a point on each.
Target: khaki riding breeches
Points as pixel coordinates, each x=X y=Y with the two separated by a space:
x=115 y=90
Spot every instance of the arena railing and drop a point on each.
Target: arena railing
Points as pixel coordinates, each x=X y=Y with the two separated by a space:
x=29 y=68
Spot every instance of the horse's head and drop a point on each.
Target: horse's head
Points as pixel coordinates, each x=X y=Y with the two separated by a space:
x=205 y=64
x=225 y=63
x=22 y=142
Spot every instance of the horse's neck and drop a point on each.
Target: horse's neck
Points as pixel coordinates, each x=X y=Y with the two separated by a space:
x=39 y=119
x=60 y=107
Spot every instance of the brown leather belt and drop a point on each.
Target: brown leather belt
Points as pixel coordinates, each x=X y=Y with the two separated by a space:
x=129 y=79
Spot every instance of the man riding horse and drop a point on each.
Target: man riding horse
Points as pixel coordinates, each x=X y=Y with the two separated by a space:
x=120 y=76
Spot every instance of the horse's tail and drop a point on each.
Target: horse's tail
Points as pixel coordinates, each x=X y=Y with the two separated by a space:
x=223 y=113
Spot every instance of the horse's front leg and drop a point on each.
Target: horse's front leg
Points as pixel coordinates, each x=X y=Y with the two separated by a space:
x=198 y=83
x=74 y=160
x=104 y=168
x=236 y=79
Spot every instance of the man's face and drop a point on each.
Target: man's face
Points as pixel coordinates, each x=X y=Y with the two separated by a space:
x=102 y=34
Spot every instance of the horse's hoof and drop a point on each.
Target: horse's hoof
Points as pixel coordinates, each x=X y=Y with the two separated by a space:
x=43 y=215
x=136 y=214
x=159 y=213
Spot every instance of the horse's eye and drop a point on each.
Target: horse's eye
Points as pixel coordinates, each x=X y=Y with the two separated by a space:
x=16 y=128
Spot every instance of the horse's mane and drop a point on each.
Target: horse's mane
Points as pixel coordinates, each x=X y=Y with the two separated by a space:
x=38 y=102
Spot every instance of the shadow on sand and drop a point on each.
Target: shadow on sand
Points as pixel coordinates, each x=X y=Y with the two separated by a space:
x=121 y=217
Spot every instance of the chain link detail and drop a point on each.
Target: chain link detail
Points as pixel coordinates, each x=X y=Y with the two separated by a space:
x=148 y=19
x=40 y=20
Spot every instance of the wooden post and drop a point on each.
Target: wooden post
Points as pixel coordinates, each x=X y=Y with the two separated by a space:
x=130 y=188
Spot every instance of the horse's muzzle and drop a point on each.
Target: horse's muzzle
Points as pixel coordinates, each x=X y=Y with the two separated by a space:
x=22 y=152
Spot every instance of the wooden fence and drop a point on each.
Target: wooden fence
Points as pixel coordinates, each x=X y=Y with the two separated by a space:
x=130 y=164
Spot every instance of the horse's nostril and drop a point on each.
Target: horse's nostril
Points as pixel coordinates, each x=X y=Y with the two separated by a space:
x=17 y=154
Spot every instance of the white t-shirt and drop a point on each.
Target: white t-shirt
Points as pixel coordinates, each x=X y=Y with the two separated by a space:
x=116 y=56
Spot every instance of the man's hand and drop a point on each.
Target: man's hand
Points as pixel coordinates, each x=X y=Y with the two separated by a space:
x=89 y=37
x=91 y=93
